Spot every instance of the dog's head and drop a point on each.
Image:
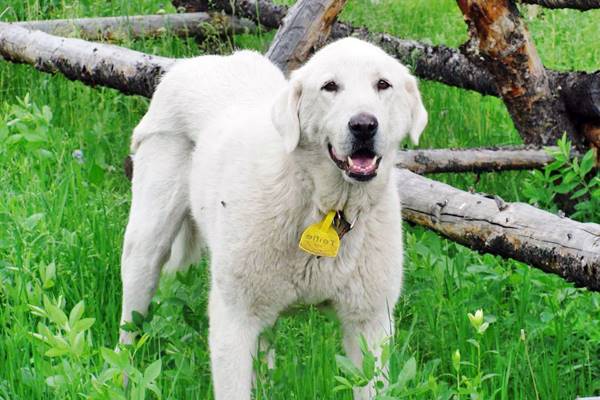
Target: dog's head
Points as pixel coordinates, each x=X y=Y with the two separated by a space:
x=352 y=102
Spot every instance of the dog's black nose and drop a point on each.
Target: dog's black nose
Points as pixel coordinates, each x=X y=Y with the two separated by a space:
x=363 y=126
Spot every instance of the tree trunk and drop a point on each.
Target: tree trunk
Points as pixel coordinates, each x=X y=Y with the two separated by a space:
x=581 y=5
x=118 y=28
x=472 y=160
x=501 y=42
x=513 y=230
x=437 y=63
x=305 y=28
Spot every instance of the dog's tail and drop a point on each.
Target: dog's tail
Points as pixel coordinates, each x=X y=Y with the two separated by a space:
x=186 y=248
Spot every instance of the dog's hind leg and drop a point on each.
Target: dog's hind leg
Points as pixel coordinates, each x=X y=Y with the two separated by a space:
x=186 y=249
x=159 y=206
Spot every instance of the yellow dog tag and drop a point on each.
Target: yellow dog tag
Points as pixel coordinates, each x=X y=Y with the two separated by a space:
x=321 y=239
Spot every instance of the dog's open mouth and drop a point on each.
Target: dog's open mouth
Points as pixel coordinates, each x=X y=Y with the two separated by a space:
x=361 y=165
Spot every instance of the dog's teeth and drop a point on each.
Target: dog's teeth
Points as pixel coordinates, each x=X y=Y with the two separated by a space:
x=350 y=162
x=373 y=161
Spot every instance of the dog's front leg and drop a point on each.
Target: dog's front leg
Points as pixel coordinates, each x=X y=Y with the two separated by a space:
x=375 y=329
x=233 y=336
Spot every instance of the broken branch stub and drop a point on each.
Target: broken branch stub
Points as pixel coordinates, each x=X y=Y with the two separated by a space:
x=305 y=28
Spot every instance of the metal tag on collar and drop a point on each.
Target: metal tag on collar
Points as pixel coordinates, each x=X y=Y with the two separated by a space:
x=341 y=224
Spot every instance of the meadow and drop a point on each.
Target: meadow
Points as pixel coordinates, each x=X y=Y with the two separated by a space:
x=63 y=208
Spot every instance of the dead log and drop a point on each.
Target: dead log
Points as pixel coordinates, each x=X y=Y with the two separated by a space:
x=581 y=5
x=519 y=231
x=119 y=28
x=437 y=63
x=501 y=41
x=305 y=28
x=128 y=71
x=429 y=161
x=420 y=196
x=264 y=12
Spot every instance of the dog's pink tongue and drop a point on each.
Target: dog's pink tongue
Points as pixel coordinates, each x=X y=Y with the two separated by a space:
x=362 y=164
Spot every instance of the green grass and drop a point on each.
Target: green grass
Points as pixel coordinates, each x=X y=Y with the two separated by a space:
x=57 y=211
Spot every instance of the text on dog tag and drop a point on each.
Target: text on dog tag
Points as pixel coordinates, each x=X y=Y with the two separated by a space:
x=321 y=239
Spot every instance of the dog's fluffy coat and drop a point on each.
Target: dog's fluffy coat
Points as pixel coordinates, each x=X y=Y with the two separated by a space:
x=232 y=155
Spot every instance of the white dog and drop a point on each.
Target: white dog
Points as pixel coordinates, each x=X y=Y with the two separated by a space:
x=233 y=154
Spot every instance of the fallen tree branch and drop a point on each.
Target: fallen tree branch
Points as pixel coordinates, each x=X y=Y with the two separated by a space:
x=306 y=27
x=519 y=231
x=581 y=5
x=264 y=12
x=429 y=161
x=118 y=28
x=437 y=63
x=134 y=72
x=128 y=71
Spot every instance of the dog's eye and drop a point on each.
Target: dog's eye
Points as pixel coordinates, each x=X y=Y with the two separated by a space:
x=330 y=86
x=382 y=84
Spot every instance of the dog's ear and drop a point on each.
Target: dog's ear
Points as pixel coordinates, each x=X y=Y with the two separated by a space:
x=417 y=110
x=285 y=114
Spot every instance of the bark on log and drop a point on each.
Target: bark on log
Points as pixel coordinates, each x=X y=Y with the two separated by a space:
x=500 y=39
x=264 y=12
x=472 y=160
x=437 y=63
x=128 y=71
x=305 y=28
x=118 y=28
x=519 y=231
x=581 y=91
x=581 y=5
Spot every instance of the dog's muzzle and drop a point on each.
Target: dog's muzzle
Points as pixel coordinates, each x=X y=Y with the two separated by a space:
x=361 y=164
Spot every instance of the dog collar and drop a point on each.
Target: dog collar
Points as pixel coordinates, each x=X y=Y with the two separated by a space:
x=341 y=224
x=323 y=238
